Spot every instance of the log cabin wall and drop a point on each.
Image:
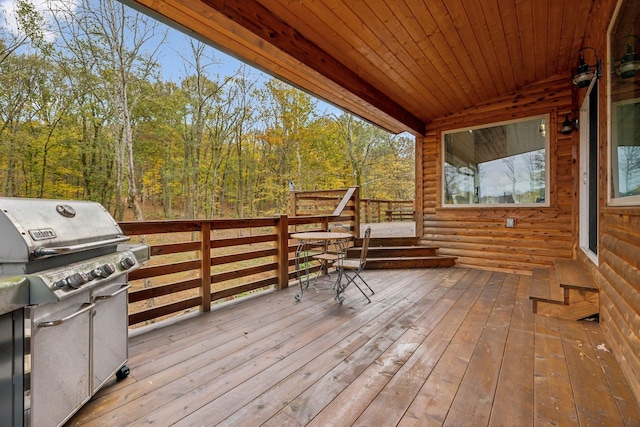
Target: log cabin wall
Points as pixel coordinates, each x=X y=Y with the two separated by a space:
x=478 y=235
x=618 y=270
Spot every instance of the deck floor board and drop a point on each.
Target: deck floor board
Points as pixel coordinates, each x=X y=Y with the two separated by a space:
x=445 y=346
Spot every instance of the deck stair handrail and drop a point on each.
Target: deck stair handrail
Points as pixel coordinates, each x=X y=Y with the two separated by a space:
x=337 y=205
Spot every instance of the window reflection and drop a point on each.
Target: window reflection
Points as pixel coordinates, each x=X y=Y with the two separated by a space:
x=625 y=151
x=498 y=164
x=624 y=147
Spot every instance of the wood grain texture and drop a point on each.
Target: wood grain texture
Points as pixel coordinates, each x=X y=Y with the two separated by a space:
x=450 y=346
x=401 y=64
x=434 y=347
x=478 y=236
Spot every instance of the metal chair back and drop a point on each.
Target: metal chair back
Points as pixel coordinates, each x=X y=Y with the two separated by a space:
x=365 y=248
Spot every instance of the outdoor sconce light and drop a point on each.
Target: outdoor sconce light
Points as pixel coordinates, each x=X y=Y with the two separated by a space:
x=629 y=63
x=568 y=125
x=586 y=72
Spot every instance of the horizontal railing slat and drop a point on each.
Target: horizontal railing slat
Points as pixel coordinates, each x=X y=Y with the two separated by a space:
x=163 y=310
x=161 y=270
x=238 y=255
x=162 y=290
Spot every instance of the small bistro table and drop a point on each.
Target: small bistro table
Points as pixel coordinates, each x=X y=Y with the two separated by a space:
x=306 y=240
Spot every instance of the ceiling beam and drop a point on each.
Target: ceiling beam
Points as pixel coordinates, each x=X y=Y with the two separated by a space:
x=254 y=17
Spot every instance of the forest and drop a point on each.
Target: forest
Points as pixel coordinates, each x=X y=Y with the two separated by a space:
x=87 y=113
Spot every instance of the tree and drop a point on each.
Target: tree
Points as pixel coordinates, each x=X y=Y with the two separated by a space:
x=359 y=140
x=21 y=25
x=121 y=47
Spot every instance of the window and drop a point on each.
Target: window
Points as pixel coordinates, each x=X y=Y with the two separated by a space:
x=625 y=150
x=497 y=164
x=624 y=104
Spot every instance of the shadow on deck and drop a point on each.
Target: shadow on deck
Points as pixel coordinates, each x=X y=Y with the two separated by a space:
x=435 y=347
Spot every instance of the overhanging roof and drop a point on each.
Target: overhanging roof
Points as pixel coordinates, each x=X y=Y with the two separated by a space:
x=397 y=63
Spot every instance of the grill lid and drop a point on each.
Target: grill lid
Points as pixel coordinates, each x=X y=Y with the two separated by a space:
x=37 y=228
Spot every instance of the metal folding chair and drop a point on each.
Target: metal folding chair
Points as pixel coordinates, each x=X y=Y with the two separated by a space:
x=351 y=269
x=331 y=254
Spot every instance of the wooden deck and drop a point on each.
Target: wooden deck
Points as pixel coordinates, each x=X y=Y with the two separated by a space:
x=390 y=229
x=452 y=346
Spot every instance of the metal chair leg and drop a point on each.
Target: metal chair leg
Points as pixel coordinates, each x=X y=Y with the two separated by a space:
x=352 y=279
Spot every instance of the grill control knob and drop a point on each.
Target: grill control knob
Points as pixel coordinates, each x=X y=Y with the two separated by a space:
x=77 y=279
x=127 y=262
x=103 y=271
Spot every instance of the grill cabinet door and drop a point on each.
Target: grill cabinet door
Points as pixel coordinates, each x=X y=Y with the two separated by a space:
x=110 y=330
x=59 y=360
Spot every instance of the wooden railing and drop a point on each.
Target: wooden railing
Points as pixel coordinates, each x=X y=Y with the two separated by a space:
x=197 y=263
x=340 y=202
x=373 y=210
x=324 y=202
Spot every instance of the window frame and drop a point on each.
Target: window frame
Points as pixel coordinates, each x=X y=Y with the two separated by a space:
x=626 y=201
x=547 y=175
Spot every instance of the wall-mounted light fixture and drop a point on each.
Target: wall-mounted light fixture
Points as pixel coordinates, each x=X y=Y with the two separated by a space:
x=629 y=63
x=568 y=125
x=586 y=72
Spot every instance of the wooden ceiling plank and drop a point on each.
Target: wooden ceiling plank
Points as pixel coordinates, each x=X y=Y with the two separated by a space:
x=429 y=59
x=407 y=52
x=572 y=36
x=507 y=12
x=342 y=37
x=330 y=15
x=435 y=38
x=256 y=18
x=373 y=28
x=457 y=57
x=524 y=17
x=328 y=40
x=568 y=42
x=497 y=34
x=541 y=23
x=471 y=26
x=556 y=15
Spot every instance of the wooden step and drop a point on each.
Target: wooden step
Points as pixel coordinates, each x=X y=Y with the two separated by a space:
x=564 y=291
x=545 y=288
x=571 y=274
x=394 y=251
x=410 y=262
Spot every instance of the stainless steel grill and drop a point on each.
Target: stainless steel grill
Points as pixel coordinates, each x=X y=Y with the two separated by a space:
x=71 y=261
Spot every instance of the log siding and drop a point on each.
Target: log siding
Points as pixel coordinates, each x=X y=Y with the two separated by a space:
x=477 y=235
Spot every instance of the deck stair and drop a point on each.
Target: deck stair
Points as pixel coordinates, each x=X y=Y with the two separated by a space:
x=566 y=291
x=400 y=252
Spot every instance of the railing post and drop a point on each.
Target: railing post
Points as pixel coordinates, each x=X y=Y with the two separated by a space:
x=293 y=203
x=205 y=269
x=356 y=212
x=282 y=232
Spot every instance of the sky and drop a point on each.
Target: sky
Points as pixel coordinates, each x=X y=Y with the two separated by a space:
x=173 y=65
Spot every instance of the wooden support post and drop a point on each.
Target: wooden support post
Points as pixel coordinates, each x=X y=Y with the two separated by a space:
x=356 y=212
x=282 y=231
x=293 y=202
x=205 y=269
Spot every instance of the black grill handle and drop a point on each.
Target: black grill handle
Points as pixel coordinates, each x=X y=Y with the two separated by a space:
x=41 y=252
